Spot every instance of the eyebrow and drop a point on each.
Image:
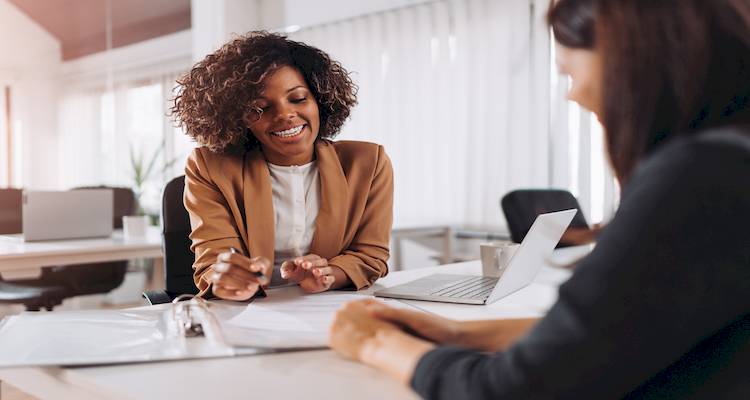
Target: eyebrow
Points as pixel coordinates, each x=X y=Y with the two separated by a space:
x=261 y=97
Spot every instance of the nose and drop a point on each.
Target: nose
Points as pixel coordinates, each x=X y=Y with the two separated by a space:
x=285 y=112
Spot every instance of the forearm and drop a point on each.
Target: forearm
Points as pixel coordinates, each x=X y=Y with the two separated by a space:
x=491 y=335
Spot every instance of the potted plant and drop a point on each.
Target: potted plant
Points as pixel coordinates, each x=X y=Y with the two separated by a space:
x=143 y=169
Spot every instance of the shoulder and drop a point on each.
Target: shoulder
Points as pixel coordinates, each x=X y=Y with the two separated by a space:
x=204 y=162
x=355 y=148
x=356 y=154
x=202 y=157
x=711 y=158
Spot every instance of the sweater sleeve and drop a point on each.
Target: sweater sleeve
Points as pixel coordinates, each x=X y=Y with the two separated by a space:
x=669 y=271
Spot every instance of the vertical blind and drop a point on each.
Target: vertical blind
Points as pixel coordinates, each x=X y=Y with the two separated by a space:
x=465 y=97
x=448 y=88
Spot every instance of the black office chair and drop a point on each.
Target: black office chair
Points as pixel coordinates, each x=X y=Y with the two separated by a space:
x=84 y=279
x=57 y=283
x=32 y=297
x=521 y=207
x=178 y=258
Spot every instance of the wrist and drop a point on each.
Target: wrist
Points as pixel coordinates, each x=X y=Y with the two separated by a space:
x=456 y=333
x=394 y=352
x=341 y=279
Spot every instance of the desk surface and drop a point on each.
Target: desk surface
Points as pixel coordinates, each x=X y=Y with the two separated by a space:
x=17 y=255
x=309 y=374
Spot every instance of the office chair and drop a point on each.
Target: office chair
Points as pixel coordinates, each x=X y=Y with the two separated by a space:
x=32 y=297
x=178 y=258
x=83 y=279
x=521 y=207
x=57 y=283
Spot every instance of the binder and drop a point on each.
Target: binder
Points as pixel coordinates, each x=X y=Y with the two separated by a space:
x=189 y=328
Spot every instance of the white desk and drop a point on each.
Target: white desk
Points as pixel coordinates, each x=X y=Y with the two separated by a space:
x=308 y=375
x=20 y=259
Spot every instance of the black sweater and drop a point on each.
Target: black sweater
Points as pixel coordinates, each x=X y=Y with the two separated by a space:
x=659 y=309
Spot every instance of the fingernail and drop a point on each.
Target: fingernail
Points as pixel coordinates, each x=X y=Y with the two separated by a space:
x=220 y=267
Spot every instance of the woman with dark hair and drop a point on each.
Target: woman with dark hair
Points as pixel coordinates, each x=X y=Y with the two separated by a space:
x=660 y=308
x=272 y=199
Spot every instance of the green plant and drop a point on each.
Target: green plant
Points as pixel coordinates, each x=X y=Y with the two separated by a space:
x=143 y=170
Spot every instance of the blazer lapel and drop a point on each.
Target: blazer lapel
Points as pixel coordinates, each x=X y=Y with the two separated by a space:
x=258 y=206
x=330 y=224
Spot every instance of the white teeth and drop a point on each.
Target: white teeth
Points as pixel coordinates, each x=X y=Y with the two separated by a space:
x=289 y=132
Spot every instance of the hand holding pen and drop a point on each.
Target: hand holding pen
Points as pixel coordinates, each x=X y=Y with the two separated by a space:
x=236 y=277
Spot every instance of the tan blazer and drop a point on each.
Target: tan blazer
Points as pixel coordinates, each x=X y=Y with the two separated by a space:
x=229 y=201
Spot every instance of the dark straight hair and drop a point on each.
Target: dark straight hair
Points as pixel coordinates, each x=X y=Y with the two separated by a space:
x=671 y=67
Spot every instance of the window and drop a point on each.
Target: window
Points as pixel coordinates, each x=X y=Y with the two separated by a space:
x=113 y=132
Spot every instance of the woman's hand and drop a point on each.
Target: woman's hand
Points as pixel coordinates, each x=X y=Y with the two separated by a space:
x=428 y=326
x=234 y=276
x=353 y=326
x=313 y=273
x=357 y=334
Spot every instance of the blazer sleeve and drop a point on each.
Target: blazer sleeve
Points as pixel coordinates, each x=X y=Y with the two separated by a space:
x=365 y=259
x=213 y=227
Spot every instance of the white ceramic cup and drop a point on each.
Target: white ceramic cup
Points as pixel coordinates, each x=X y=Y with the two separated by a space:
x=134 y=226
x=496 y=256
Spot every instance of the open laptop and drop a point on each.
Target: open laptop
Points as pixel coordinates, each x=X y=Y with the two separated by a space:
x=83 y=213
x=522 y=268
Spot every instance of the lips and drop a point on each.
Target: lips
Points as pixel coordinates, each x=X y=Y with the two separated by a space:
x=290 y=132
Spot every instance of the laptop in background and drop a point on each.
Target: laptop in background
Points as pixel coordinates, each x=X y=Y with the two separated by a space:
x=50 y=215
x=522 y=268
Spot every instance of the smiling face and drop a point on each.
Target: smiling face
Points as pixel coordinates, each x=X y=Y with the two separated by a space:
x=585 y=70
x=289 y=121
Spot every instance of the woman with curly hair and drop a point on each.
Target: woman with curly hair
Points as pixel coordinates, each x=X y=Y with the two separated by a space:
x=272 y=199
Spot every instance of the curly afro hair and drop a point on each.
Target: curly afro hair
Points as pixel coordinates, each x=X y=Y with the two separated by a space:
x=215 y=96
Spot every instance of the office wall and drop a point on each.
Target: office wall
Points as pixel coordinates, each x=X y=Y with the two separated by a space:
x=29 y=63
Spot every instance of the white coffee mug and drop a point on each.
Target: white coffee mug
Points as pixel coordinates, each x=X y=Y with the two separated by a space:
x=134 y=226
x=496 y=256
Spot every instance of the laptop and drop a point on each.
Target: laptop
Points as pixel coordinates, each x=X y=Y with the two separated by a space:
x=522 y=268
x=74 y=214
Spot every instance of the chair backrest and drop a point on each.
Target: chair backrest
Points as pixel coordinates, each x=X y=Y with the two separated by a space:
x=178 y=258
x=124 y=202
x=521 y=207
x=10 y=211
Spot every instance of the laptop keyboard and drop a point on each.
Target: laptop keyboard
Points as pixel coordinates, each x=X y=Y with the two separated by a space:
x=473 y=287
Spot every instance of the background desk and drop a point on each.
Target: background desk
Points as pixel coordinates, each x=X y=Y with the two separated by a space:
x=308 y=375
x=19 y=259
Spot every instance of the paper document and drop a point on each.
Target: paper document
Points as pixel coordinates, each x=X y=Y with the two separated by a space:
x=286 y=319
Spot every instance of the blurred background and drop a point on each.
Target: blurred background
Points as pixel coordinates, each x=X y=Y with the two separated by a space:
x=463 y=94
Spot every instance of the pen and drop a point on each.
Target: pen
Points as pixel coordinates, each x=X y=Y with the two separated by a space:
x=256 y=273
x=260 y=292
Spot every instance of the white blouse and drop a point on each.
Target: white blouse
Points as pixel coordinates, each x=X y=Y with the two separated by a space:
x=296 y=201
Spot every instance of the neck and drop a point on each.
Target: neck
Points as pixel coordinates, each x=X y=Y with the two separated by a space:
x=284 y=160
